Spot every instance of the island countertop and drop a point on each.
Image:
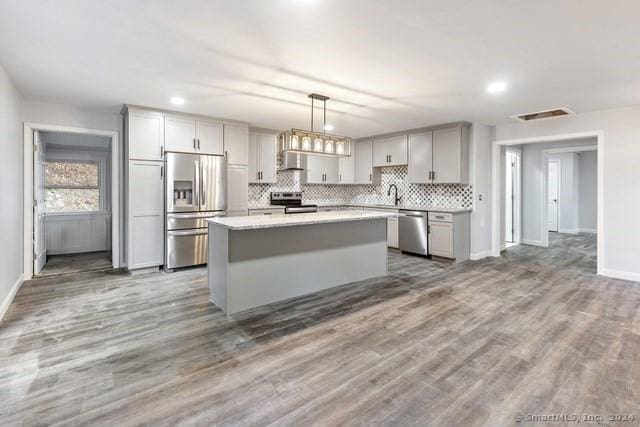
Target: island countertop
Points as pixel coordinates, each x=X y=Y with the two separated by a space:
x=268 y=221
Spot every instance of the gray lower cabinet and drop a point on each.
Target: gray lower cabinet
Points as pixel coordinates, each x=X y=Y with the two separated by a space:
x=449 y=235
x=392 y=226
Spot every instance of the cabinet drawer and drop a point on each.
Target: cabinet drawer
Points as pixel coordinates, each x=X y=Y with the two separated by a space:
x=441 y=216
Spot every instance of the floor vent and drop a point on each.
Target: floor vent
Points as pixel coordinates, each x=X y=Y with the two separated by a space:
x=556 y=112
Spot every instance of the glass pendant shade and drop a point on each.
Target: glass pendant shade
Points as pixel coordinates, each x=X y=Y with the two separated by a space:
x=303 y=141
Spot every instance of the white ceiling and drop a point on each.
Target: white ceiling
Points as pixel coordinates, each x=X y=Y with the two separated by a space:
x=387 y=65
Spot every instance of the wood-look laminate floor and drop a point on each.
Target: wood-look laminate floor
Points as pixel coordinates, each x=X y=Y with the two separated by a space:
x=532 y=332
x=76 y=263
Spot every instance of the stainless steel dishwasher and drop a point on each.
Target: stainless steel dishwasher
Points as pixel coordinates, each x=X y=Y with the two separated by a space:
x=413 y=232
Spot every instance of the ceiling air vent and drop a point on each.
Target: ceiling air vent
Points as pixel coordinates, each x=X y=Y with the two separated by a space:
x=556 y=112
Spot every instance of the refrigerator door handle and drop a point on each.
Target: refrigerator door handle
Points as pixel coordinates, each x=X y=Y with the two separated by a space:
x=196 y=179
x=203 y=187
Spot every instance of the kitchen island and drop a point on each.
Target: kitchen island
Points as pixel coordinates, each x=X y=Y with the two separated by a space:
x=258 y=260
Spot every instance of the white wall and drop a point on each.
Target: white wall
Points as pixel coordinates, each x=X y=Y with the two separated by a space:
x=621 y=128
x=588 y=190
x=89 y=118
x=11 y=178
x=481 y=138
x=65 y=115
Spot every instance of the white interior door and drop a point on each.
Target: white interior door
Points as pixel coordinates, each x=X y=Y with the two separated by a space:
x=553 y=195
x=509 y=198
x=39 y=209
x=513 y=197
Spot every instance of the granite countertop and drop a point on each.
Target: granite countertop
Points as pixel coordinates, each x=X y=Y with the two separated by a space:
x=269 y=221
x=375 y=206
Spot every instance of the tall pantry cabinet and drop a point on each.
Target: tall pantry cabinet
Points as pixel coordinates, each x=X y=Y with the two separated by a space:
x=143 y=188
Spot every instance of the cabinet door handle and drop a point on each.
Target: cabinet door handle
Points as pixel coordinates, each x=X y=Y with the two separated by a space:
x=161 y=151
x=161 y=172
x=198 y=143
x=340 y=177
x=370 y=177
x=194 y=143
x=433 y=175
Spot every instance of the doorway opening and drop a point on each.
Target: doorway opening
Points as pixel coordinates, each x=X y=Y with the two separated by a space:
x=559 y=198
x=512 y=196
x=72 y=202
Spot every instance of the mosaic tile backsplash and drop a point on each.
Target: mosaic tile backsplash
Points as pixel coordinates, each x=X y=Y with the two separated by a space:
x=419 y=195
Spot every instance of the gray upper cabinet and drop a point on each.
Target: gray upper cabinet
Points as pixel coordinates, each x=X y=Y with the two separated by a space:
x=320 y=170
x=451 y=156
x=347 y=170
x=210 y=137
x=390 y=151
x=365 y=172
x=421 y=158
x=189 y=135
x=180 y=134
x=236 y=144
x=440 y=156
x=144 y=134
x=263 y=151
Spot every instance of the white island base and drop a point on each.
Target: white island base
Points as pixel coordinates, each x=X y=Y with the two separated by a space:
x=255 y=261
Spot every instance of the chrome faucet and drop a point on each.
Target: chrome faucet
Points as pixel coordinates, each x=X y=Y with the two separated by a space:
x=396 y=198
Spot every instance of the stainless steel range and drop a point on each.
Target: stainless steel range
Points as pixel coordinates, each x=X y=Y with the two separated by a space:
x=292 y=202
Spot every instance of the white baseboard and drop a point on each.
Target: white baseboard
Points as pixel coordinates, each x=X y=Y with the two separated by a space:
x=9 y=299
x=587 y=230
x=480 y=255
x=533 y=242
x=568 y=230
x=624 y=275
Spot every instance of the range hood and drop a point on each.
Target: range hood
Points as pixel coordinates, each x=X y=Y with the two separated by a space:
x=299 y=141
x=292 y=161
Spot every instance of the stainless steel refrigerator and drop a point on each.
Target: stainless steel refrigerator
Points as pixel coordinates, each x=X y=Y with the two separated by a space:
x=196 y=189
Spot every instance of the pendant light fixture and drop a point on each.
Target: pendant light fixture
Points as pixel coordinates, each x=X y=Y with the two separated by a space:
x=311 y=142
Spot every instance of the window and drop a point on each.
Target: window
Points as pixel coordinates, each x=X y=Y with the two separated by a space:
x=72 y=186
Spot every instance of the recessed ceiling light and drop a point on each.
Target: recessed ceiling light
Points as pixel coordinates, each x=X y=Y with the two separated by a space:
x=496 y=87
x=177 y=100
x=328 y=127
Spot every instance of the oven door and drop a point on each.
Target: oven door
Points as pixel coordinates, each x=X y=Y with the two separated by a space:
x=186 y=247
